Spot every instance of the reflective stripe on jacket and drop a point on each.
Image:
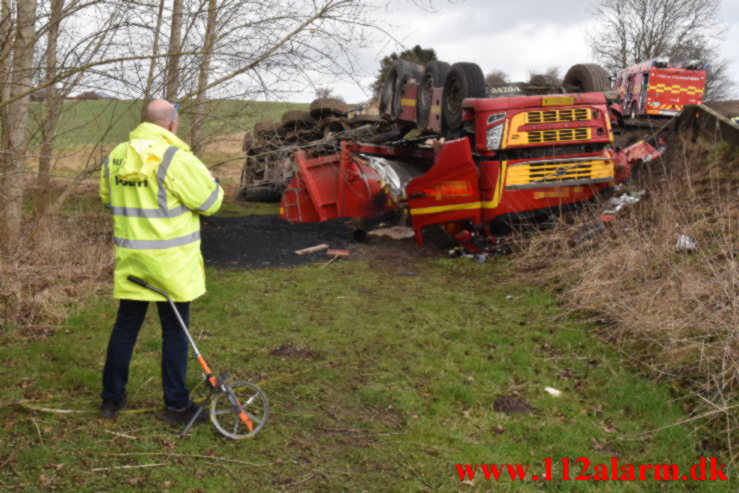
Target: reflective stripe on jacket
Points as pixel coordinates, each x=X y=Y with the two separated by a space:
x=156 y=190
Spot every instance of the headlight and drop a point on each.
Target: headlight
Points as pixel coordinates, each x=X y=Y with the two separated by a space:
x=495 y=135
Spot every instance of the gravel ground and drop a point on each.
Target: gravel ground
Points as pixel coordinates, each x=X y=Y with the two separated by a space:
x=268 y=241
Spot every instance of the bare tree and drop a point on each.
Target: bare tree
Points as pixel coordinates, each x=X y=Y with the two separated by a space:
x=203 y=72
x=155 y=52
x=6 y=41
x=15 y=117
x=175 y=46
x=53 y=99
x=496 y=77
x=631 y=31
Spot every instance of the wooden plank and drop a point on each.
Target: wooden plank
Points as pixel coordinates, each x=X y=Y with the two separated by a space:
x=312 y=249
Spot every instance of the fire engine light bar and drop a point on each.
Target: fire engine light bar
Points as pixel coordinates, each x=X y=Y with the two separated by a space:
x=557 y=100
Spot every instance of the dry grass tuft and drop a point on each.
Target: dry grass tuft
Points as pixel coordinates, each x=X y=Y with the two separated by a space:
x=62 y=259
x=673 y=313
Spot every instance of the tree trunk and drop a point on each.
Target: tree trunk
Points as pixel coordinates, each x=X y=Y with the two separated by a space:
x=15 y=139
x=53 y=109
x=6 y=41
x=152 y=63
x=175 y=47
x=199 y=107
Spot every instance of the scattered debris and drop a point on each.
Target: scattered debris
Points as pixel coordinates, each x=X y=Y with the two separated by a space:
x=586 y=232
x=337 y=253
x=395 y=232
x=509 y=404
x=685 y=243
x=615 y=204
x=553 y=392
x=312 y=249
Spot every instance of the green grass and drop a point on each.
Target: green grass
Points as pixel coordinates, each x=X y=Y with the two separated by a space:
x=410 y=367
x=89 y=122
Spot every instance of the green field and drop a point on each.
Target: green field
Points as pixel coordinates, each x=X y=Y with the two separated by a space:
x=107 y=122
x=404 y=366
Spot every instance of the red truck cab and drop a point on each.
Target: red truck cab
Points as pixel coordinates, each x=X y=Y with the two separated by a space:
x=531 y=153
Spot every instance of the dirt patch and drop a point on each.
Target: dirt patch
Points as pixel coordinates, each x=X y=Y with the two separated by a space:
x=509 y=404
x=292 y=351
x=397 y=255
x=268 y=241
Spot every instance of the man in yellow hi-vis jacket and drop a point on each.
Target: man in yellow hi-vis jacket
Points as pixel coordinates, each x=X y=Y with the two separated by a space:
x=156 y=190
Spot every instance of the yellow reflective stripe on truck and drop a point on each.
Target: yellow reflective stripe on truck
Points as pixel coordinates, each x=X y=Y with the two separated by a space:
x=446 y=208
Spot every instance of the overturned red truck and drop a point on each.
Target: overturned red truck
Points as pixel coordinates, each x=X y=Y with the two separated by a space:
x=475 y=160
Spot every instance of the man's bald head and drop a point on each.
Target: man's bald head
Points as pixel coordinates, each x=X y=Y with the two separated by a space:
x=163 y=113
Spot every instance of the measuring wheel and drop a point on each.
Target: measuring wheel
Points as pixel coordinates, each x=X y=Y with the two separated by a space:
x=234 y=417
x=227 y=406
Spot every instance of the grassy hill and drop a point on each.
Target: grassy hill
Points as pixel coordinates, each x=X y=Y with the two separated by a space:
x=107 y=122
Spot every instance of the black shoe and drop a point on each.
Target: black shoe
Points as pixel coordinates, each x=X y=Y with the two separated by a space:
x=109 y=409
x=183 y=416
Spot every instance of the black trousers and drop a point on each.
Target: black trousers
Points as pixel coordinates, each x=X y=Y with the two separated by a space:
x=130 y=318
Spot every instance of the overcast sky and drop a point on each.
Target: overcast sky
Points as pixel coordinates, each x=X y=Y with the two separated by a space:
x=516 y=36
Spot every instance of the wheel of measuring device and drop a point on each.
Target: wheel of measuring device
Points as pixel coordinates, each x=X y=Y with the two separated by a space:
x=225 y=416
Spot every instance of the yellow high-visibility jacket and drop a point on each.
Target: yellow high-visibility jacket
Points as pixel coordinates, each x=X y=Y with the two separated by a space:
x=156 y=190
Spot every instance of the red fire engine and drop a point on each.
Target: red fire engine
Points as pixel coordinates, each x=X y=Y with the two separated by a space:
x=655 y=87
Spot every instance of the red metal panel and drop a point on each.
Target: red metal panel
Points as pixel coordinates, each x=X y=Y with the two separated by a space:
x=448 y=192
x=296 y=205
x=359 y=187
x=434 y=119
x=321 y=177
x=408 y=96
x=501 y=104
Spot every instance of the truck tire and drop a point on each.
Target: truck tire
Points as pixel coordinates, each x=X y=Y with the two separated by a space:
x=266 y=129
x=545 y=84
x=387 y=96
x=262 y=193
x=587 y=77
x=297 y=119
x=399 y=73
x=433 y=77
x=411 y=73
x=464 y=80
x=249 y=142
x=328 y=106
